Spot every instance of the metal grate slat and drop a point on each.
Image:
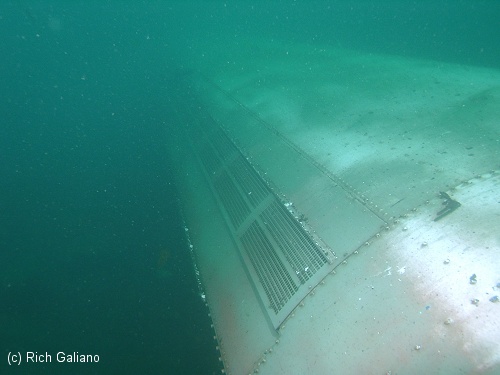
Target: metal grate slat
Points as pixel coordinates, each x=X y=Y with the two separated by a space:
x=280 y=286
x=309 y=248
x=296 y=260
x=233 y=202
x=249 y=181
x=223 y=145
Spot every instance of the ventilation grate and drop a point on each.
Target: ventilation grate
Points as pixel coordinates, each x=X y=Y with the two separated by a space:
x=232 y=200
x=283 y=261
x=272 y=274
x=249 y=181
x=299 y=249
x=222 y=144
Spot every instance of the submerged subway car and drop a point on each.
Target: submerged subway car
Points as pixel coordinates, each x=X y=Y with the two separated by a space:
x=345 y=220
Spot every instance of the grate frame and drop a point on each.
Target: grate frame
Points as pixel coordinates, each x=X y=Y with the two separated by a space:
x=281 y=258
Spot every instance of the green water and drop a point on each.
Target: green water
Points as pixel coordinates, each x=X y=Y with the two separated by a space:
x=93 y=257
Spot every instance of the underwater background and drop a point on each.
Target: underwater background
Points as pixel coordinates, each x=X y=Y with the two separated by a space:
x=93 y=252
